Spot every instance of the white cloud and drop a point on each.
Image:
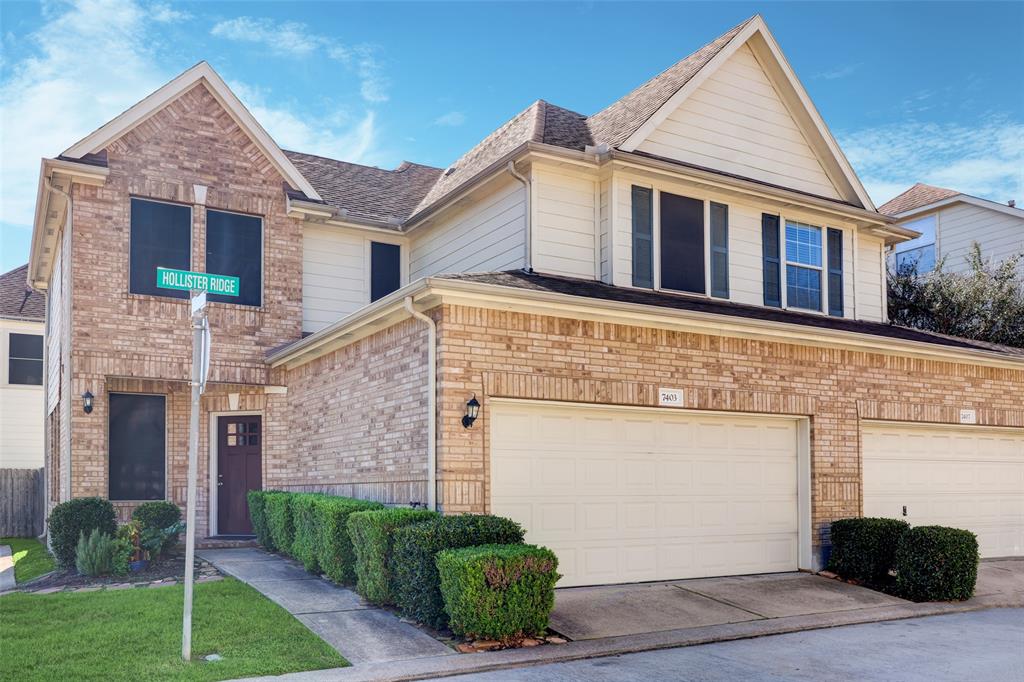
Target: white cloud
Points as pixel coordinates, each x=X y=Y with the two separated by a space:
x=296 y=39
x=985 y=159
x=53 y=98
x=165 y=14
x=452 y=119
x=838 y=72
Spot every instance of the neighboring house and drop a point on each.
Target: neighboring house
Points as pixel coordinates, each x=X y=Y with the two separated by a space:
x=672 y=315
x=949 y=223
x=21 y=372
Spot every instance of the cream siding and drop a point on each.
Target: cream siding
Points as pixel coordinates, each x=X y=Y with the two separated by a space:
x=488 y=234
x=736 y=122
x=999 y=235
x=606 y=221
x=870 y=282
x=21 y=407
x=564 y=233
x=334 y=264
x=622 y=229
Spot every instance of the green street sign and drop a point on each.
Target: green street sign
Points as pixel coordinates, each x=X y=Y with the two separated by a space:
x=185 y=280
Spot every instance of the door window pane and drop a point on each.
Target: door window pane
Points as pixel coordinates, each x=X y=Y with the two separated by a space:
x=234 y=246
x=161 y=236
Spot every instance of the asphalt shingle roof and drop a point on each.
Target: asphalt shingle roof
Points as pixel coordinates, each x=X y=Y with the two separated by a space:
x=17 y=300
x=915 y=197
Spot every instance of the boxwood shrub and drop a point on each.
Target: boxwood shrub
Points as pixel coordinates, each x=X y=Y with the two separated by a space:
x=258 y=515
x=865 y=548
x=278 y=508
x=74 y=518
x=372 y=534
x=305 y=539
x=935 y=563
x=417 y=585
x=334 y=545
x=501 y=592
x=159 y=516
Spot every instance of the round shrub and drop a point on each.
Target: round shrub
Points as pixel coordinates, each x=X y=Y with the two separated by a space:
x=74 y=518
x=159 y=516
x=935 y=563
x=864 y=549
x=417 y=585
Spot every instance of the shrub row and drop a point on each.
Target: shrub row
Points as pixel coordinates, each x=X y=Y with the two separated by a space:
x=930 y=563
x=373 y=537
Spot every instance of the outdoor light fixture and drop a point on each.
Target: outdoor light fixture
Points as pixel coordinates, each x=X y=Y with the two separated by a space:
x=472 y=411
x=87 y=401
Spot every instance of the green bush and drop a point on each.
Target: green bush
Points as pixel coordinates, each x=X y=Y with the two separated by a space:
x=334 y=545
x=864 y=549
x=279 y=520
x=258 y=515
x=417 y=586
x=100 y=554
x=306 y=523
x=372 y=534
x=69 y=520
x=161 y=516
x=935 y=563
x=501 y=592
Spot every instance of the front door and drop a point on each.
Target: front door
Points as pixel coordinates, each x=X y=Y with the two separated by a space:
x=239 y=470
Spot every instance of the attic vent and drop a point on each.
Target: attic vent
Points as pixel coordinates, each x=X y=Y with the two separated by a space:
x=449 y=170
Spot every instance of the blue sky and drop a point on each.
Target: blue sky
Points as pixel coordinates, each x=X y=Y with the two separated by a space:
x=926 y=92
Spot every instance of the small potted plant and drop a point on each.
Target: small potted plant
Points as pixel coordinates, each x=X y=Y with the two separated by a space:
x=131 y=532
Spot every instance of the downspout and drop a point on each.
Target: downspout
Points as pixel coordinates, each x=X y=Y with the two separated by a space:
x=47 y=455
x=65 y=418
x=528 y=260
x=431 y=402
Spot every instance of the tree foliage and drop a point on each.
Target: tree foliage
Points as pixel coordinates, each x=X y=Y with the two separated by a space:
x=985 y=303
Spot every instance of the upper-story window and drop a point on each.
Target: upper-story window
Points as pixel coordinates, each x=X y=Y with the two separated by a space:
x=385 y=269
x=25 y=359
x=161 y=236
x=803 y=266
x=234 y=246
x=918 y=253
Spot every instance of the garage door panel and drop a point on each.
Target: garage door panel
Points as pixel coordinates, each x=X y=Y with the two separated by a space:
x=656 y=492
x=965 y=477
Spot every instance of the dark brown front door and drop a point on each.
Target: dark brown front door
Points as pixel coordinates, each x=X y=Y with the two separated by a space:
x=239 y=470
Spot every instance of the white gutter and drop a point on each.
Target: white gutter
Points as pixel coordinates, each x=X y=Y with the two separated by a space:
x=431 y=402
x=528 y=260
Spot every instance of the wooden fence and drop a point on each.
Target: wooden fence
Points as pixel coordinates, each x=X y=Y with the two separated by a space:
x=21 y=503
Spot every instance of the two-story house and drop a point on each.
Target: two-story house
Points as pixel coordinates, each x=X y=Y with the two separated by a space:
x=655 y=335
x=950 y=223
x=21 y=372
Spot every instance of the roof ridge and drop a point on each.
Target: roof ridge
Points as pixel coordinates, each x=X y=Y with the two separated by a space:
x=401 y=168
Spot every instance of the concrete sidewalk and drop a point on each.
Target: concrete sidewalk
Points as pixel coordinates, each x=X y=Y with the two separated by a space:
x=360 y=632
x=7 y=581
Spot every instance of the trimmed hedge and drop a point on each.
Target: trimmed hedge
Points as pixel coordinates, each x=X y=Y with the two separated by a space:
x=81 y=516
x=416 y=583
x=277 y=506
x=864 y=549
x=334 y=548
x=935 y=563
x=159 y=516
x=372 y=534
x=501 y=592
x=305 y=539
x=258 y=515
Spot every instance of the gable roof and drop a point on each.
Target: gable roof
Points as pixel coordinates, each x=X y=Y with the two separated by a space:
x=85 y=149
x=915 y=197
x=17 y=300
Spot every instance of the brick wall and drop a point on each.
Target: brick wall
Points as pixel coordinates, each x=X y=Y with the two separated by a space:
x=518 y=355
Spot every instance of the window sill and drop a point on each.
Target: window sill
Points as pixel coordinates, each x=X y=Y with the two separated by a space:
x=23 y=387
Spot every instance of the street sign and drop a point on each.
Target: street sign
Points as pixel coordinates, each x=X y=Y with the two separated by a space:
x=198 y=302
x=186 y=280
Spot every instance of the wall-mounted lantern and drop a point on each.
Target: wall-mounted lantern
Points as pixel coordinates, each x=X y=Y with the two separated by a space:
x=472 y=411
x=87 y=402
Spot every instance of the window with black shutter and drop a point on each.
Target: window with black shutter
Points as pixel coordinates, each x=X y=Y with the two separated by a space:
x=682 y=243
x=772 y=265
x=643 y=237
x=835 y=272
x=719 y=250
x=161 y=236
x=234 y=246
x=385 y=269
x=137 y=446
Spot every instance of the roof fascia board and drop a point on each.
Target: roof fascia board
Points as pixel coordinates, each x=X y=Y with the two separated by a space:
x=200 y=73
x=961 y=198
x=550 y=303
x=321 y=214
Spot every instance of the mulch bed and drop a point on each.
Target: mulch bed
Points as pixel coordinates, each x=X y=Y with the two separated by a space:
x=167 y=570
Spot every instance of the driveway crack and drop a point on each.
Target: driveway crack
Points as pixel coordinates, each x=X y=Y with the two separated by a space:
x=721 y=601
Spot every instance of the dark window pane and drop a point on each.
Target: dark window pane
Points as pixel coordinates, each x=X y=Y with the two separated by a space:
x=385 y=269
x=26 y=346
x=643 y=249
x=27 y=372
x=835 y=272
x=161 y=237
x=719 y=250
x=682 y=243
x=234 y=246
x=137 y=437
x=772 y=267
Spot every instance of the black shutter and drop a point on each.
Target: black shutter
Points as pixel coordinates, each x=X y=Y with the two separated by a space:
x=234 y=246
x=137 y=446
x=772 y=264
x=385 y=269
x=161 y=236
x=682 y=243
x=643 y=238
x=835 y=272
x=719 y=250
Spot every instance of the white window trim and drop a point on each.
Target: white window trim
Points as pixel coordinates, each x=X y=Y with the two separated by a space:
x=786 y=262
x=403 y=261
x=167 y=453
x=191 y=243
x=263 y=255
x=5 y=354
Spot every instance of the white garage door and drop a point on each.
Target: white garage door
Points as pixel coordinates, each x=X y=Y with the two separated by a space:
x=965 y=477
x=625 y=495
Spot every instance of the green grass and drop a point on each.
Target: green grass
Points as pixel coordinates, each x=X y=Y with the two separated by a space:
x=31 y=559
x=135 y=634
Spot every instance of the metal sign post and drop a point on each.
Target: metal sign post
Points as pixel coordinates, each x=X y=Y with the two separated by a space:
x=200 y=370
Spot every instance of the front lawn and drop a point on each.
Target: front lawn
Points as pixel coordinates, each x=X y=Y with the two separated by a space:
x=31 y=559
x=135 y=634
